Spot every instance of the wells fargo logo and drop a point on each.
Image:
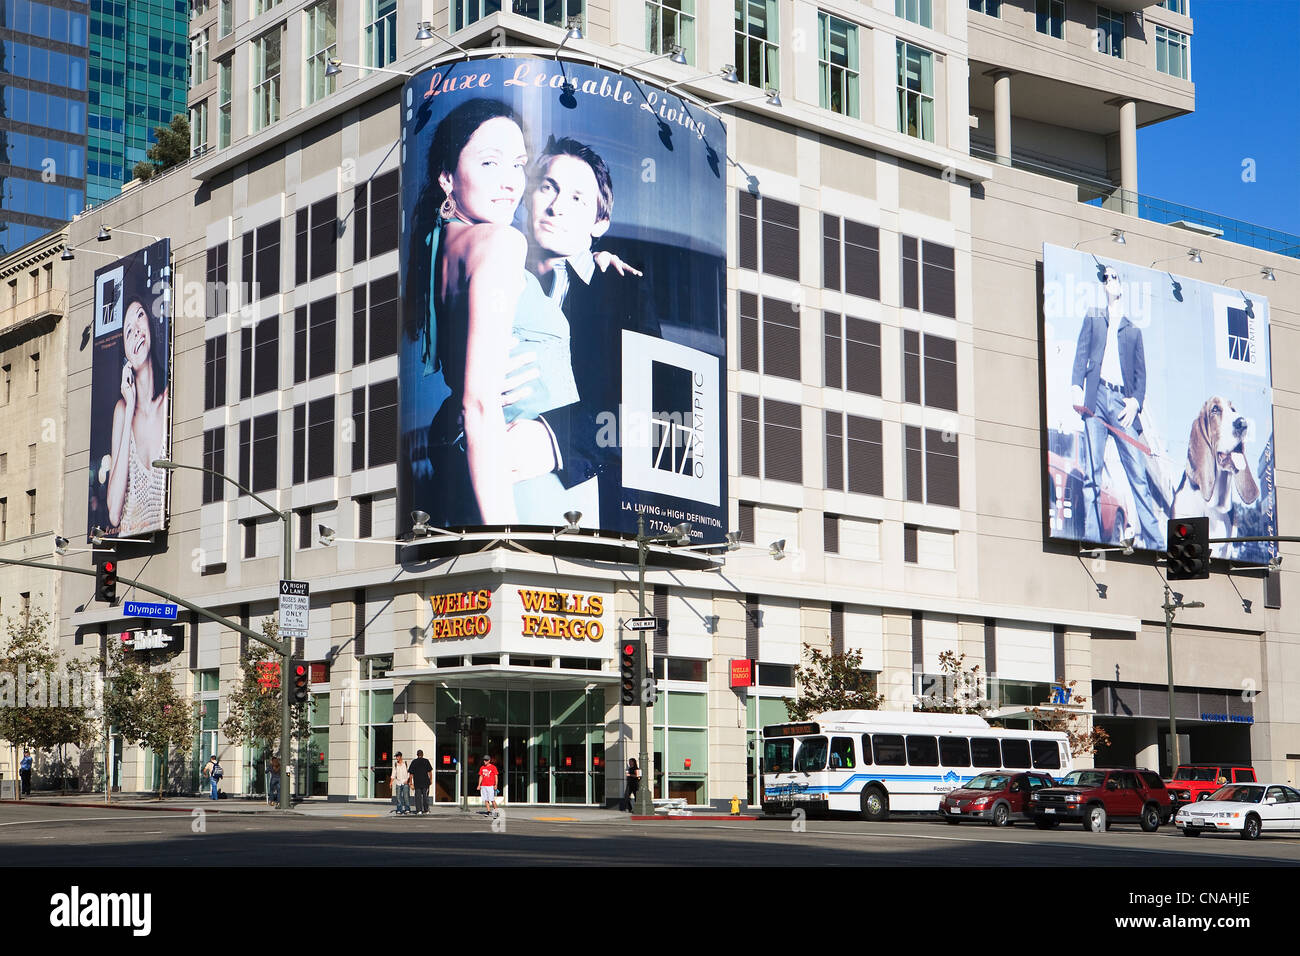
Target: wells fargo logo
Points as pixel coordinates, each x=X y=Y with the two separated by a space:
x=556 y=614
x=470 y=609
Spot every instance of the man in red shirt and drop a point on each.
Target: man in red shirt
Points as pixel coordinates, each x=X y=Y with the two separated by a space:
x=487 y=782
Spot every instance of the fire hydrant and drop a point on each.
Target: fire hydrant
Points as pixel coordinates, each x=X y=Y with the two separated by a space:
x=735 y=806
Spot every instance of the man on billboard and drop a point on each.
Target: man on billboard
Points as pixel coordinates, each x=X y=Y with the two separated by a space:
x=1108 y=388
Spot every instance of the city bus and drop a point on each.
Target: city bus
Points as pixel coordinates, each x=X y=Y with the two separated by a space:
x=874 y=762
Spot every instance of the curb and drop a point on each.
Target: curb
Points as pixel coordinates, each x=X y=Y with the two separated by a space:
x=691 y=818
x=121 y=806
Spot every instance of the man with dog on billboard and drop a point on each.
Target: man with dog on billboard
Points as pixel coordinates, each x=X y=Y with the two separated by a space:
x=1108 y=388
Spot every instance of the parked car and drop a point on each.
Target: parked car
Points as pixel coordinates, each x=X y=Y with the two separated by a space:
x=1196 y=781
x=999 y=797
x=1243 y=808
x=1097 y=798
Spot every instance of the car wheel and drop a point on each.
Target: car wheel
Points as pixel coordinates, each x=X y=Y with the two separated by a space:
x=1045 y=824
x=1250 y=830
x=875 y=805
x=1188 y=831
x=1001 y=815
x=1150 y=821
x=1096 y=819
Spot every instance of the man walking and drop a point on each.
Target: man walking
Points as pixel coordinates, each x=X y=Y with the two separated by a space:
x=212 y=770
x=487 y=783
x=421 y=777
x=25 y=774
x=401 y=785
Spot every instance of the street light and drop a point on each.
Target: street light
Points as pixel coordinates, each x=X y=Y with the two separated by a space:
x=286 y=645
x=773 y=98
x=334 y=66
x=675 y=53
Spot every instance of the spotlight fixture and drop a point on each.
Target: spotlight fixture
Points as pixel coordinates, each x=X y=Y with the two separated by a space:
x=104 y=234
x=1267 y=274
x=773 y=98
x=676 y=54
x=333 y=67
x=1275 y=562
x=424 y=31
x=733 y=540
x=573 y=31
x=60 y=544
x=419 y=523
x=777 y=549
x=571 y=522
x=327 y=535
x=1118 y=236
x=67 y=254
x=1195 y=254
x=1128 y=544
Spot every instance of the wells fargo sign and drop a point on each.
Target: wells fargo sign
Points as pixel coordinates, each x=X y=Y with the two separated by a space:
x=560 y=615
x=462 y=614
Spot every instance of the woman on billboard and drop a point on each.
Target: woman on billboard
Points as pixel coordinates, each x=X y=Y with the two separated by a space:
x=488 y=314
x=135 y=488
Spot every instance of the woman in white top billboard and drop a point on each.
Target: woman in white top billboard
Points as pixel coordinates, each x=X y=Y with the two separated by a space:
x=135 y=488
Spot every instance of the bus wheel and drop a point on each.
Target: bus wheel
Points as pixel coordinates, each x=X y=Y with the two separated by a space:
x=875 y=805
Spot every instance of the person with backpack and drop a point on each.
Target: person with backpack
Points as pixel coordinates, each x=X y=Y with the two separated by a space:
x=212 y=770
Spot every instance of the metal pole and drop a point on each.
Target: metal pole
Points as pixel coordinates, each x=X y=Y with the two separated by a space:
x=1169 y=658
x=645 y=793
x=286 y=802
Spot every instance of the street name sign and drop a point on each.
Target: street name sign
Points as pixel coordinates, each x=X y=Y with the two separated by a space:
x=141 y=609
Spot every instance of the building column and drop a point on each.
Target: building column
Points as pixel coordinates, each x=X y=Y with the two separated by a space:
x=1128 y=162
x=1148 y=746
x=1002 y=116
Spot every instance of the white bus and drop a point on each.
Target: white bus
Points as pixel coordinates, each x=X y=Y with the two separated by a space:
x=872 y=761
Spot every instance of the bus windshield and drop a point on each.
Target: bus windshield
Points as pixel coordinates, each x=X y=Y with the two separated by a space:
x=812 y=754
x=778 y=755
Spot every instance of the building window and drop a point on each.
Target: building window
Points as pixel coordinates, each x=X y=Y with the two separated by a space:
x=670 y=23
x=260 y=267
x=376 y=215
x=199 y=128
x=316 y=248
x=1178 y=6
x=223 y=104
x=930 y=471
x=214 y=458
x=915 y=91
x=929 y=376
x=992 y=8
x=227 y=18
x=266 y=79
x=1110 y=32
x=381 y=32
x=259 y=358
x=929 y=548
x=261 y=6
x=376 y=317
x=929 y=278
x=199 y=58
x=771 y=445
x=250 y=538
x=313 y=440
x=757 y=55
x=321 y=43
x=257 y=452
x=774 y=336
x=838 y=58
x=374 y=435
x=4 y=463
x=851 y=353
x=31 y=511
x=778 y=223
x=1050 y=18
x=314 y=339
x=214 y=373
x=854 y=454
x=6 y=383
x=365 y=516
x=4 y=519
x=915 y=11
x=850 y=257
x=1173 y=53
x=36 y=373
x=217 y=273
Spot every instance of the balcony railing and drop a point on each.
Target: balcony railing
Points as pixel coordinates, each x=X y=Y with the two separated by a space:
x=1106 y=195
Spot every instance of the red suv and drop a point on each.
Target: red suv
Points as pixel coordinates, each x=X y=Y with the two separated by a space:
x=1097 y=798
x=999 y=797
x=1196 y=781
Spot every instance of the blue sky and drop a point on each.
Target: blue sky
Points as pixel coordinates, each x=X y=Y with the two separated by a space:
x=1244 y=56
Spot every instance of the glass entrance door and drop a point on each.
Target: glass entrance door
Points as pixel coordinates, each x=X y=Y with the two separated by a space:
x=570 y=765
x=514 y=772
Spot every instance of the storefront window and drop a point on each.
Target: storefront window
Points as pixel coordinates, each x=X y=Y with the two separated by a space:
x=682 y=746
x=315 y=756
x=760 y=712
x=376 y=743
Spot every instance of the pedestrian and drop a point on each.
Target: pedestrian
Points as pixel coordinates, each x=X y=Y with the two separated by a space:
x=401 y=785
x=212 y=770
x=421 y=777
x=633 y=783
x=273 y=782
x=25 y=773
x=487 y=782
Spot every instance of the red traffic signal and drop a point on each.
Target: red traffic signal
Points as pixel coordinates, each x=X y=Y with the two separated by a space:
x=630 y=671
x=106 y=582
x=1188 y=550
x=301 y=683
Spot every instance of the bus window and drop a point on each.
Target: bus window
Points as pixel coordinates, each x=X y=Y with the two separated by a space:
x=985 y=752
x=1015 y=754
x=778 y=755
x=922 y=751
x=866 y=749
x=954 y=751
x=842 y=753
x=1046 y=755
x=811 y=755
x=889 y=750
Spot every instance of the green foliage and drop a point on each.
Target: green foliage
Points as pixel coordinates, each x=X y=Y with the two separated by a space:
x=171 y=148
x=146 y=708
x=28 y=656
x=962 y=691
x=1084 y=738
x=832 y=682
x=253 y=710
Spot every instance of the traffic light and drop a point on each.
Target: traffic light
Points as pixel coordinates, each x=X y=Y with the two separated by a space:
x=1189 y=549
x=106 y=581
x=630 y=669
x=301 y=681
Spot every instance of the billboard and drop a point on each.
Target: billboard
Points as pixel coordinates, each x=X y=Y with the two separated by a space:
x=1159 y=405
x=130 y=414
x=563 y=263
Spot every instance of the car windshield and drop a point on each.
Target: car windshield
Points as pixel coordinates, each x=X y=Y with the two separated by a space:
x=1083 y=778
x=987 y=781
x=778 y=755
x=812 y=754
x=1196 y=773
x=1239 y=794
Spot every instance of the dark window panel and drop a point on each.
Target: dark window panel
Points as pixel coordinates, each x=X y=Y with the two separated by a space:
x=862 y=355
x=214 y=458
x=245 y=453
x=250 y=538
x=245 y=363
x=781 y=339
x=750 y=444
x=299 y=444
x=830 y=252
x=913 y=464
x=365 y=517
x=266 y=360
x=246 y=269
x=911 y=367
x=320 y=438
x=300 y=247
x=746 y=522
x=941 y=468
x=385 y=216
x=359 y=232
x=861 y=260
x=833 y=360
x=358 y=429
x=300 y=344
x=324 y=236
x=268 y=259
x=865 y=453
x=264 y=452
x=383 y=424
x=940 y=372
x=781 y=239
x=359 y=325
x=835 y=450
x=385 y=317
x=831 y=543
x=911 y=274
x=939 y=284
x=747 y=233
x=748 y=332
x=782 y=441
x=323 y=337
x=304 y=529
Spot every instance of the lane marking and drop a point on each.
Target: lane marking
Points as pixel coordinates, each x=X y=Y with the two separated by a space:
x=19 y=823
x=555 y=819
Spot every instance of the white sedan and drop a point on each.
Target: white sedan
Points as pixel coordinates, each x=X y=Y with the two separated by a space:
x=1242 y=808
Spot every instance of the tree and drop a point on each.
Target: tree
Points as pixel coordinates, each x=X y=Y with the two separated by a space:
x=46 y=701
x=171 y=148
x=1084 y=738
x=253 y=714
x=146 y=709
x=832 y=682
x=962 y=691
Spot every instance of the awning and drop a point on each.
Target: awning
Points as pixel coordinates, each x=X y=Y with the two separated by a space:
x=502 y=676
x=1037 y=712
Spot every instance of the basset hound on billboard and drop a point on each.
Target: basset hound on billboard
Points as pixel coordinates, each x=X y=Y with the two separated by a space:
x=1217 y=471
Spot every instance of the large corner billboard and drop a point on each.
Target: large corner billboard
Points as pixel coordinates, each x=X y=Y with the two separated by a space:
x=1159 y=405
x=130 y=391
x=563 y=264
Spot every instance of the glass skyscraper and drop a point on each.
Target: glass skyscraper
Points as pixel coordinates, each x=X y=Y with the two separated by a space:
x=138 y=81
x=43 y=117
